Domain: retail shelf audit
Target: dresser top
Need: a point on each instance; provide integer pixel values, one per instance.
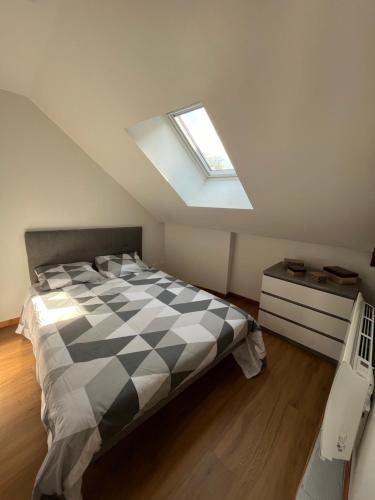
(279, 271)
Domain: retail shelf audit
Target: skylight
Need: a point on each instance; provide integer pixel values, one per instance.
(195, 128)
(198, 179)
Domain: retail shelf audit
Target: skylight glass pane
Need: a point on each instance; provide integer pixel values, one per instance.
(202, 136)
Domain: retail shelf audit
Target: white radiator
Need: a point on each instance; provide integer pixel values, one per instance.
(350, 397)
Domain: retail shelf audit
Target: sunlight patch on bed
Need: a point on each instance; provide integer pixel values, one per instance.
(48, 316)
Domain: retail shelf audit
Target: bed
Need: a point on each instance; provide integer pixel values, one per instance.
(109, 355)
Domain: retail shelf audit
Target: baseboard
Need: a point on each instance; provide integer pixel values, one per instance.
(9, 322)
(242, 297)
(214, 292)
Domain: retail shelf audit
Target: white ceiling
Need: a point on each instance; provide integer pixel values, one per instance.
(25, 28)
(290, 87)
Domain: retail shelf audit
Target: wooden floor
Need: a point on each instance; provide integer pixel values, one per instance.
(224, 438)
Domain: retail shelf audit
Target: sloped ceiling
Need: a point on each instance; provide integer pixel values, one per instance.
(290, 87)
(25, 28)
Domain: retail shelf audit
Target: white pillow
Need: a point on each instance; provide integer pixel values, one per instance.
(55, 276)
(115, 266)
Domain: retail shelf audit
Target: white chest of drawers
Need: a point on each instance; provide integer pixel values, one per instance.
(315, 315)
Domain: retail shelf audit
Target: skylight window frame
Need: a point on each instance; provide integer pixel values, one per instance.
(192, 147)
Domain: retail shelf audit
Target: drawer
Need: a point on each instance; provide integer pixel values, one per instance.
(329, 325)
(319, 343)
(323, 301)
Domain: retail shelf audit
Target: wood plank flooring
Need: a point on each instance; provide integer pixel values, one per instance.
(225, 437)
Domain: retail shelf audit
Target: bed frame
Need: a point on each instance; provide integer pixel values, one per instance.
(63, 246)
(74, 245)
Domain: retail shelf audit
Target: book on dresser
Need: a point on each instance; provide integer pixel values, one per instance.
(296, 269)
(311, 313)
(340, 275)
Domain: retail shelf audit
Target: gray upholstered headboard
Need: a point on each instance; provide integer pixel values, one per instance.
(62, 246)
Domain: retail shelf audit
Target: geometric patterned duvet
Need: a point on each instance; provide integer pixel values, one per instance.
(108, 352)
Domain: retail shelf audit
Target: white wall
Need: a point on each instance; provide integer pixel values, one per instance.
(47, 181)
(199, 256)
(253, 254)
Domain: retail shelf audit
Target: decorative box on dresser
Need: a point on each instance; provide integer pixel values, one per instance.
(311, 313)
